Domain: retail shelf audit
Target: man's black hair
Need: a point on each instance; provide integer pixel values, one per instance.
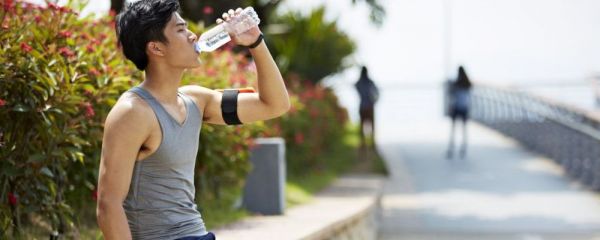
(141, 22)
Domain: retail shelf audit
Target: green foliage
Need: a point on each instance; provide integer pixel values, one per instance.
(312, 47)
(312, 127)
(56, 85)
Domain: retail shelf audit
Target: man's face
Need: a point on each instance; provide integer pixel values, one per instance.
(179, 52)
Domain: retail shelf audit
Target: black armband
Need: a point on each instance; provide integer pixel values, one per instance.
(229, 106)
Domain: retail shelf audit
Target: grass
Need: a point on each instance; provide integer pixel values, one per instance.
(299, 189)
(343, 158)
(227, 209)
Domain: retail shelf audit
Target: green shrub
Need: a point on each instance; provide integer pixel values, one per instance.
(314, 125)
(57, 83)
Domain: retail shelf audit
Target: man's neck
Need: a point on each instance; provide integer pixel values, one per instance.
(163, 82)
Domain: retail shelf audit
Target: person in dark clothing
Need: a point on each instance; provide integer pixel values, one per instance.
(369, 94)
(460, 102)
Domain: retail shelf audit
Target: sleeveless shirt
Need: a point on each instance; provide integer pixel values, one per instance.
(160, 202)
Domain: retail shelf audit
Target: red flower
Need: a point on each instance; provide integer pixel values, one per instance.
(314, 113)
(107, 69)
(5, 22)
(25, 47)
(95, 42)
(239, 148)
(8, 4)
(2, 103)
(207, 10)
(65, 9)
(27, 6)
(251, 67)
(102, 36)
(211, 72)
(85, 36)
(319, 94)
(65, 34)
(89, 111)
(53, 5)
(12, 199)
(90, 49)
(94, 71)
(66, 52)
(299, 138)
(251, 143)
(38, 19)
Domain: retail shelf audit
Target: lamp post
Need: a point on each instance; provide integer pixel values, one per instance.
(447, 38)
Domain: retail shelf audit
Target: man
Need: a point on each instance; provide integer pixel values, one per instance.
(369, 94)
(145, 182)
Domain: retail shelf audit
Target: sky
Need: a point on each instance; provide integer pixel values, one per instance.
(514, 42)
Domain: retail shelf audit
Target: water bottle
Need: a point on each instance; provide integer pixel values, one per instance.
(219, 35)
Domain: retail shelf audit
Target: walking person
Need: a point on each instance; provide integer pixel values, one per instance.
(369, 94)
(460, 102)
(146, 176)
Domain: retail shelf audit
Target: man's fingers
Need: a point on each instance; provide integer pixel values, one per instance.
(231, 12)
(225, 16)
(219, 21)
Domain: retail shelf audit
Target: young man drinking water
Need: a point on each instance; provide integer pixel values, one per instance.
(146, 176)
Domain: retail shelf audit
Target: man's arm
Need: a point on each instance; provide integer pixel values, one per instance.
(270, 101)
(126, 128)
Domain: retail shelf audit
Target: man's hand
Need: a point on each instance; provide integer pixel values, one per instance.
(246, 38)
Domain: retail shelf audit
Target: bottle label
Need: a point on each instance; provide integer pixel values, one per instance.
(217, 39)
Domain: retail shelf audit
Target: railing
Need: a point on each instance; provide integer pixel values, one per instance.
(566, 134)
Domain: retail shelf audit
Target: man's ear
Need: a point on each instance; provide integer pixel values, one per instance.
(155, 48)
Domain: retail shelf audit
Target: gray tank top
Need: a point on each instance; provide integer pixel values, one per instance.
(160, 203)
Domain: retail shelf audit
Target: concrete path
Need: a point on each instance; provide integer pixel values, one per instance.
(499, 191)
(346, 207)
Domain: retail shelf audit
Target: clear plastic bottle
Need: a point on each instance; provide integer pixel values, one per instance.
(219, 35)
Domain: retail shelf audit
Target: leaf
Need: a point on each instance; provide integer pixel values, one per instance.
(20, 108)
(36, 158)
(47, 172)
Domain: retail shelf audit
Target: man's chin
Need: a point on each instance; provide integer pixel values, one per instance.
(195, 65)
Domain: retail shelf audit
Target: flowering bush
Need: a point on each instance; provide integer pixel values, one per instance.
(56, 86)
(59, 77)
(313, 125)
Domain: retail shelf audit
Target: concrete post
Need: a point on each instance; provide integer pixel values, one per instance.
(264, 190)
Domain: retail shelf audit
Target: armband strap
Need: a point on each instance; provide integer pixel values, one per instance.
(229, 106)
(257, 42)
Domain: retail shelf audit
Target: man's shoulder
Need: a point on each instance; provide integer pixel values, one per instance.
(201, 95)
(129, 107)
(195, 90)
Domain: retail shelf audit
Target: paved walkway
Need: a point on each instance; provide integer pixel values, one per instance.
(331, 212)
(500, 191)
